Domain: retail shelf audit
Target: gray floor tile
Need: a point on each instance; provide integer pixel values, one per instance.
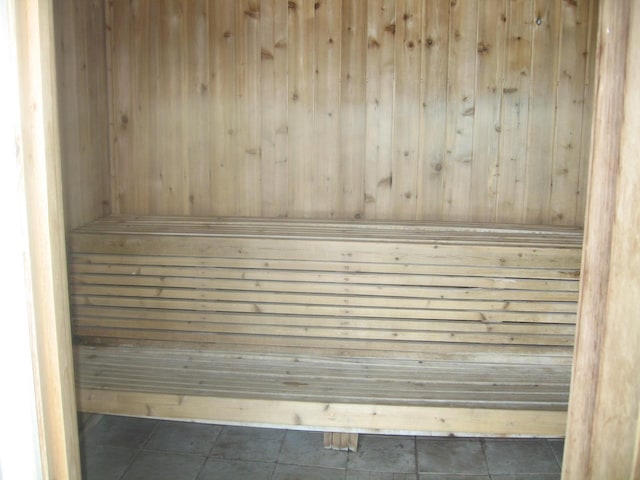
(378, 453)
(256, 444)
(298, 472)
(183, 437)
(125, 432)
(364, 475)
(451, 455)
(307, 448)
(520, 456)
(558, 449)
(165, 466)
(105, 463)
(220, 469)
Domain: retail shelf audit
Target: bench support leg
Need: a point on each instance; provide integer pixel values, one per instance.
(341, 441)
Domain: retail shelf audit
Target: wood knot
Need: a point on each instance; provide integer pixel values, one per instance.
(373, 43)
(391, 28)
(252, 13)
(483, 48)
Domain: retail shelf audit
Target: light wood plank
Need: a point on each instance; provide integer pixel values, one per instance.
(434, 103)
(301, 108)
(197, 93)
(490, 74)
(247, 102)
(515, 112)
(224, 126)
(347, 417)
(569, 120)
(380, 87)
(408, 43)
(274, 108)
(353, 111)
(460, 110)
(121, 115)
(544, 66)
(325, 190)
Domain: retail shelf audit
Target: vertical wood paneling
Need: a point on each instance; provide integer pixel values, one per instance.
(435, 55)
(490, 77)
(353, 107)
(544, 65)
(145, 44)
(381, 17)
(247, 178)
(386, 109)
(274, 92)
(326, 193)
(302, 166)
(167, 177)
(223, 128)
(408, 43)
(196, 103)
(587, 115)
(69, 43)
(515, 112)
(460, 109)
(121, 98)
(569, 112)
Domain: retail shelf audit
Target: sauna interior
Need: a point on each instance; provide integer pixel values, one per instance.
(391, 112)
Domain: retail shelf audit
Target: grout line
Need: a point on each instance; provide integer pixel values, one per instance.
(558, 459)
(484, 456)
(215, 441)
(277, 462)
(415, 454)
(140, 449)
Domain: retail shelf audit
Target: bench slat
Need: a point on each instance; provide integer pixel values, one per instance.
(94, 314)
(175, 374)
(101, 266)
(463, 271)
(330, 250)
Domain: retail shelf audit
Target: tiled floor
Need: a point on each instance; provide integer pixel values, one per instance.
(134, 448)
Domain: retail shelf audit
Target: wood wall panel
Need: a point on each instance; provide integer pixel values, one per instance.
(83, 112)
(386, 109)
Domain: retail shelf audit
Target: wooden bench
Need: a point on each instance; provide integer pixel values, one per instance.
(337, 327)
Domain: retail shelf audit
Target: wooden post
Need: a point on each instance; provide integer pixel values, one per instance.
(341, 441)
(39, 157)
(603, 432)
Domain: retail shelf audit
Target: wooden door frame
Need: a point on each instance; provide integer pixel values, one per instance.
(603, 431)
(45, 306)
